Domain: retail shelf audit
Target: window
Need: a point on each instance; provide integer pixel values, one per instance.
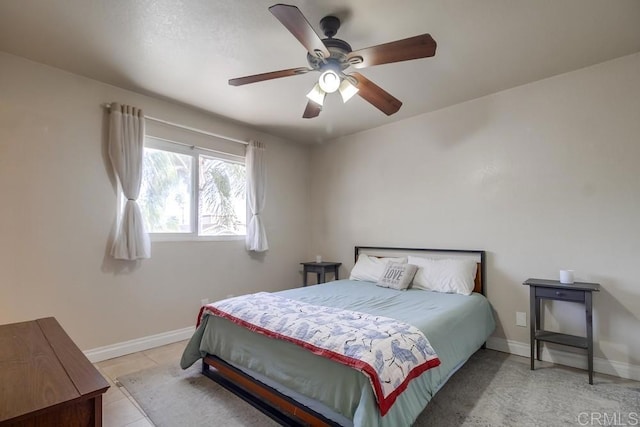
(192, 192)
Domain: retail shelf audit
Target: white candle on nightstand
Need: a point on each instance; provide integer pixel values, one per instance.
(318, 259)
(566, 276)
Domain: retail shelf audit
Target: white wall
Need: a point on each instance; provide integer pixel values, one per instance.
(57, 211)
(543, 176)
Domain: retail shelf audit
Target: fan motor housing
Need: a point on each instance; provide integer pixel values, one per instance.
(339, 50)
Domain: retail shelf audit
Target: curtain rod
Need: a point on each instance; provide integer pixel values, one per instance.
(189, 128)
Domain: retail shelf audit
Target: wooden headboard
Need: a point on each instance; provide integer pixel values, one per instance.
(479, 256)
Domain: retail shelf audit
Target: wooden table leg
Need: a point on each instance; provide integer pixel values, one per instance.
(532, 323)
(588, 309)
(97, 412)
(538, 327)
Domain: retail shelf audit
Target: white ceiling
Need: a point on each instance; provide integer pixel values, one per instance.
(186, 50)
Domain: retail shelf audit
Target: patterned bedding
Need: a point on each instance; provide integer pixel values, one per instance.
(389, 352)
(455, 325)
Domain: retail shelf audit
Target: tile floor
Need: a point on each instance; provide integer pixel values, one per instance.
(119, 409)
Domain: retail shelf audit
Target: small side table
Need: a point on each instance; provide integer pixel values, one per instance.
(321, 269)
(540, 289)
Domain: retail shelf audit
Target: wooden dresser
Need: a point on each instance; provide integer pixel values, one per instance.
(45, 380)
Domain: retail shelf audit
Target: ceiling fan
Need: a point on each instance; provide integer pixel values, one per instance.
(332, 57)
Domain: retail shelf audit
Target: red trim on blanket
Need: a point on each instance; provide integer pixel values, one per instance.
(384, 404)
(199, 319)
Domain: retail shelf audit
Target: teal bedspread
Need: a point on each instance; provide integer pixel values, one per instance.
(455, 325)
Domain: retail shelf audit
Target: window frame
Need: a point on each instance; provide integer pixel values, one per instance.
(194, 152)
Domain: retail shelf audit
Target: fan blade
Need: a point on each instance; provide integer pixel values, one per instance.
(422, 46)
(312, 110)
(268, 76)
(297, 24)
(377, 96)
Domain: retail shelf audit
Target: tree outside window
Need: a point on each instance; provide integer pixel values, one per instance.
(169, 203)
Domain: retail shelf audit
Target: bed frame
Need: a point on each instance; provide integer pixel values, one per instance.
(285, 410)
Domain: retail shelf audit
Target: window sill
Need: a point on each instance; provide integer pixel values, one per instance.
(171, 237)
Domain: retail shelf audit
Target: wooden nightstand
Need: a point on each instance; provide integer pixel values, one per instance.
(554, 290)
(321, 269)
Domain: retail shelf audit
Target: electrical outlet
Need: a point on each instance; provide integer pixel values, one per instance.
(230, 296)
(204, 301)
(521, 318)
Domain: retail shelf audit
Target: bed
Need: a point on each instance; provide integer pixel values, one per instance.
(296, 387)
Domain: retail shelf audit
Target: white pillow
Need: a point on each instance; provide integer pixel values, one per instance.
(370, 268)
(397, 275)
(444, 275)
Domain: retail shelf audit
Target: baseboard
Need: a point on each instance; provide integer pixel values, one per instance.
(139, 344)
(575, 360)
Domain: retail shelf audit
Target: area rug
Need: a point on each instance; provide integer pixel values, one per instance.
(491, 389)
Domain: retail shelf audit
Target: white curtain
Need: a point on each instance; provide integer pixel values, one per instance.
(256, 197)
(126, 144)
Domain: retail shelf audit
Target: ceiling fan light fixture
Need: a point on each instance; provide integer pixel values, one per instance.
(347, 90)
(317, 95)
(329, 81)
(330, 57)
